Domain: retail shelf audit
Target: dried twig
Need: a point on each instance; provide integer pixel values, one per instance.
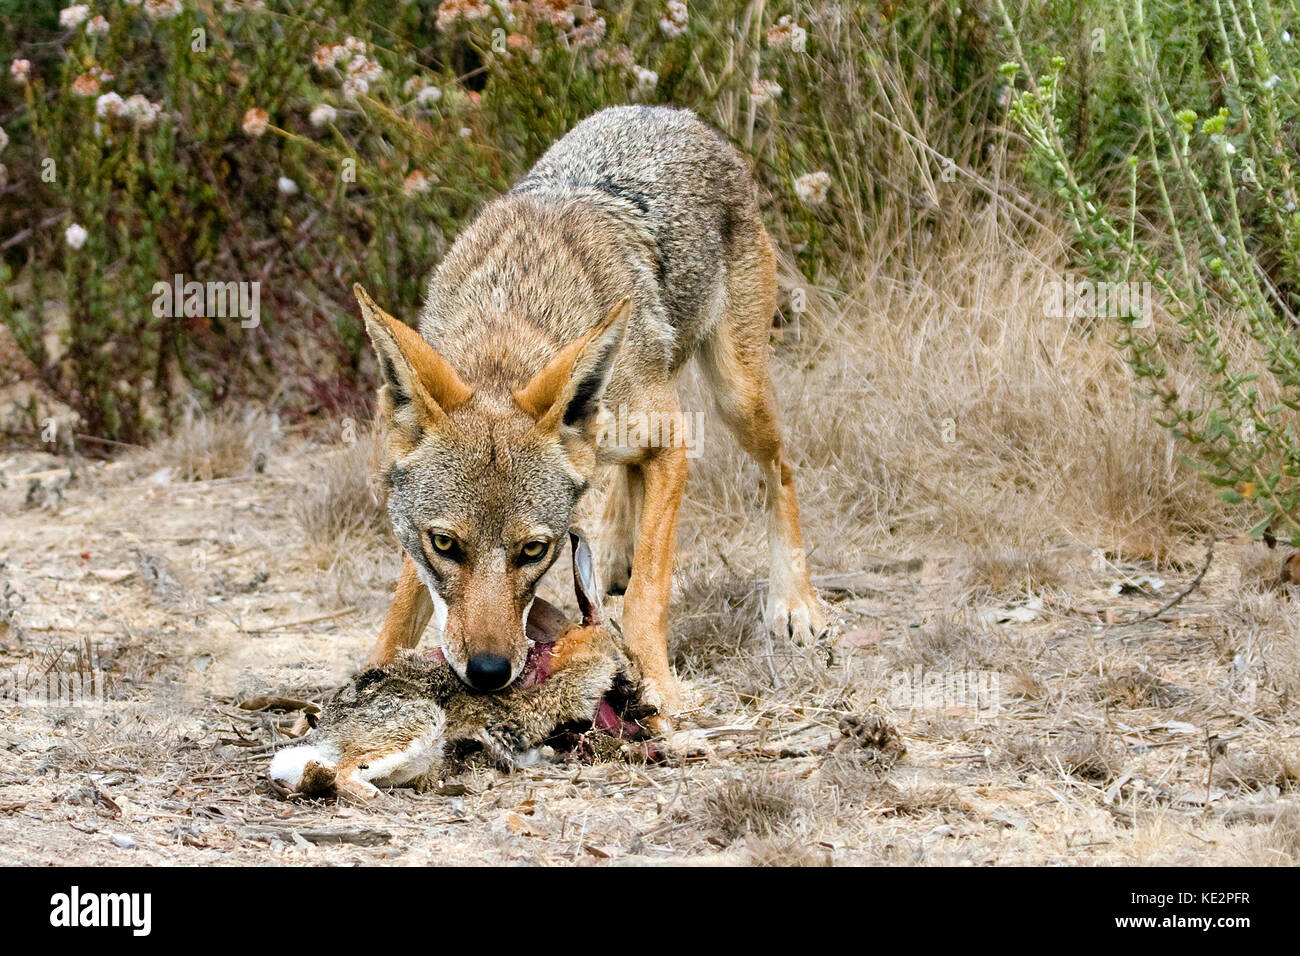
(302, 622)
(364, 836)
(1177, 598)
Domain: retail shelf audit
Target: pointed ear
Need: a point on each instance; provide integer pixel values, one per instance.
(420, 388)
(568, 390)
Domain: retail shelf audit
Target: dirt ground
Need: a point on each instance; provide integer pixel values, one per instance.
(1093, 741)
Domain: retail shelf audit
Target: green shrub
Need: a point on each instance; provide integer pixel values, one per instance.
(1188, 181)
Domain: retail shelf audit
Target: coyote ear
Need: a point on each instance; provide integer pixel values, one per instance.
(568, 390)
(420, 388)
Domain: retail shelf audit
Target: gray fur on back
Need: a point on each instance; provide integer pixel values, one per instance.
(671, 176)
(634, 200)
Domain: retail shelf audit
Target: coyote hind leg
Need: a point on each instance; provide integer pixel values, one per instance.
(734, 362)
(618, 524)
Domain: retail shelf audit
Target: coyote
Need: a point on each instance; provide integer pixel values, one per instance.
(634, 245)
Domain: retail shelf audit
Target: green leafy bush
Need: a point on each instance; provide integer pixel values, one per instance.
(1187, 180)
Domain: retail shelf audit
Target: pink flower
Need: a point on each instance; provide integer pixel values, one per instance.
(418, 181)
(326, 56)
(673, 22)
(764, 91)
(449, 11)
(363, 68)
(813, 188)
(558, 13)
(786, 32)
(73, 16)
(87, 84)
(322, 114)
(162, 9)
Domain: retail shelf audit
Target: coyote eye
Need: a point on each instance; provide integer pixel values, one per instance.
(444, 544)
(532, 551)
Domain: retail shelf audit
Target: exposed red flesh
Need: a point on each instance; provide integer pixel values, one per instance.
(537, 666)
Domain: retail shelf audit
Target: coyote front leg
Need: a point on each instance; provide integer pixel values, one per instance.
(645, 608)
(407, 617)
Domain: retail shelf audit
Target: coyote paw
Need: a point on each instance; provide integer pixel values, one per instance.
(796, 618)
(665, 697)
(659, 725)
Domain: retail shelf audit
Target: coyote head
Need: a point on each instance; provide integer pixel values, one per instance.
(483, 483)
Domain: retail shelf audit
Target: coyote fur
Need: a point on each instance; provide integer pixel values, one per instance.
(633, 246)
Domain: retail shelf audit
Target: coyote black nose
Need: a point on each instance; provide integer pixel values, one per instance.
(487, 672)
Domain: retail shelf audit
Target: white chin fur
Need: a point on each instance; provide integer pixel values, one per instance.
(439, 605)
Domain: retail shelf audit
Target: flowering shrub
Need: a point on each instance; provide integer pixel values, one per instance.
(159, 154)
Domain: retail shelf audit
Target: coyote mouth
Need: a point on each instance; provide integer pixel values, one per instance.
(536, 670)
(620, 713)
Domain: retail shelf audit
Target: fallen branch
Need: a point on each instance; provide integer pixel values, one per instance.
(364, 836)
(268, 701)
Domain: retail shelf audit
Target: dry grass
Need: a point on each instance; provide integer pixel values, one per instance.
(203, 447)
(931, 406)
(760, 803)
(784, 851)
(1086, 755)
(949, 640)
(1271, 766)
(342, 518)
(341, 502)
(1015, 572)
(1262, 642)
(1277, 844)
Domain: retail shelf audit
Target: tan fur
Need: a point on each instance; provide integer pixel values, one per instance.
(393, 725)
(543, 397)
(407, 617)
(438, 379)
(634, 245)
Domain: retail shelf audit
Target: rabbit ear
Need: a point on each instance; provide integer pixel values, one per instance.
(585, 584)
(546, 622)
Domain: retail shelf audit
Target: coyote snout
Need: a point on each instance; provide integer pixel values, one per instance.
(483, 634)
(482, 603)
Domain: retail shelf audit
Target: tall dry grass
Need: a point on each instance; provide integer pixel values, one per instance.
(931, 407)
